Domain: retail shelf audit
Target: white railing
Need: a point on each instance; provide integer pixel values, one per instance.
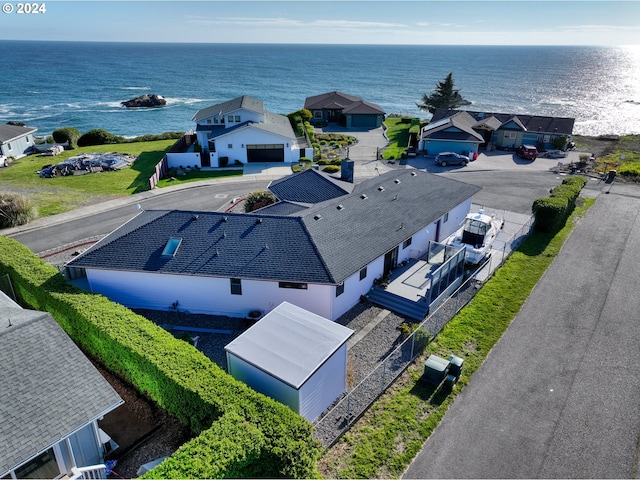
(92, 472)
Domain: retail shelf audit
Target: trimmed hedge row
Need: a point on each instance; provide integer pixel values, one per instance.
(552, 212)
(270, 440)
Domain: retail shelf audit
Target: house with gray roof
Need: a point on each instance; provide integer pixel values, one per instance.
(51, 399)
(16, 140)
(463, 131)
(348, 110)
(242, 130)
(321, 257)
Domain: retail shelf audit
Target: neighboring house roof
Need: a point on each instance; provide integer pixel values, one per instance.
(457, 127)
(245, 102)
(12, 132)
(529, 123)
(274, 124)
(323, 244)
(290, 343)
(309, 186)
(49, 388)
(342, 101)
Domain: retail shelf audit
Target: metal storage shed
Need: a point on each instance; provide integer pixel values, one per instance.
(293, 356)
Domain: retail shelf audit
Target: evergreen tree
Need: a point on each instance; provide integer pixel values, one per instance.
(444, 96)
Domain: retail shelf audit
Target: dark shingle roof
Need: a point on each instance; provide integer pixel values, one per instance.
(347, 103)
(456, 127)
(309, 186)
(11, 132)
(532, 123)
(363, 108)
(246, 102)
(49, 388)
(323, 244)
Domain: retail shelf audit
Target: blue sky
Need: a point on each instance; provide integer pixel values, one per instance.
(476, 22)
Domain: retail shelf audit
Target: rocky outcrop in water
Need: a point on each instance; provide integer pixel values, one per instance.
(145, 101)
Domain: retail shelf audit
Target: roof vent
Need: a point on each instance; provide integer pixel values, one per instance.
(414, 174)
(224, 234)
(396, 181)
(225, 218)
(363, 196)
(381, 188)
(395, 197)
(340, 207)
(258, 221)
(317, 217)
(195, 217)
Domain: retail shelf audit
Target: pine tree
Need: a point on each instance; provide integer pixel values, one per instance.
(444, 96)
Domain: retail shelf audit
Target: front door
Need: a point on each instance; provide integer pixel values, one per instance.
(390, 261)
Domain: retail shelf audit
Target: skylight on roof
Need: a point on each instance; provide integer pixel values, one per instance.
(171, 248)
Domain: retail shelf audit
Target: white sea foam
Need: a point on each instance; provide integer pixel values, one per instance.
(134, 88)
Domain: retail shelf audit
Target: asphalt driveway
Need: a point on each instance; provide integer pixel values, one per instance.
(558, 396)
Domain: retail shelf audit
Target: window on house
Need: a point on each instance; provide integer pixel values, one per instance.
(230, 118)
(209, 121)
(171, 248)
(510, 135)
(236, 286)
(299, 286)
(407, 242)
(9, 146)
(215, 120)
(547, 139)
(43, 466)
(363, 273)
(317, 114)
(445, 219)
(237, 118)
(230, 145)
(339, 289)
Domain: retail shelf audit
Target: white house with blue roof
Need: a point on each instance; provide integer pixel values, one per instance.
(321, 257)
(241, 129)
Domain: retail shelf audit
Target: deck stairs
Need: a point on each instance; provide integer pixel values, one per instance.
(396, 303)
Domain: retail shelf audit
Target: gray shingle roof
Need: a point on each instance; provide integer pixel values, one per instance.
(11, 132)
(324, 244)
(246, 102)
(532, 123)
(462, 124)
(343, 101)
(309, 186)
(49, 388)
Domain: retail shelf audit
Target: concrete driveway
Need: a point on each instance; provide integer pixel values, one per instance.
(557, 397)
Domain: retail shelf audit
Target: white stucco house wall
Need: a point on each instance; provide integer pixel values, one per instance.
(51, 400)
(293, 356)
(321, 256)
(242, 130)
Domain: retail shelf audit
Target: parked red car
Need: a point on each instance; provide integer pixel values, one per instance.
(527, 152)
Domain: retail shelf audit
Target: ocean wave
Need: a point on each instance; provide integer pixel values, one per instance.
(134, 88)
(184, 101)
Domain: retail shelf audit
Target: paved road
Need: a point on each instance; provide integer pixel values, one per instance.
(558, 396)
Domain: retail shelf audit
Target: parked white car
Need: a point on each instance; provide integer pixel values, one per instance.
(4, 162)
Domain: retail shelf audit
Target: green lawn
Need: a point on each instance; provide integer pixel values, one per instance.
(196, 175)
(398, 135)
(56, 195)
(389, 435)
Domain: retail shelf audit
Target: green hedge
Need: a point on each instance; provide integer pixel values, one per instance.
(274, 442)
(552, 212)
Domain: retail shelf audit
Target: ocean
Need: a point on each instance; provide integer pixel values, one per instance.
(51, 85)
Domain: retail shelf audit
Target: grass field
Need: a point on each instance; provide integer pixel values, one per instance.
(390, 434)
(60, 194)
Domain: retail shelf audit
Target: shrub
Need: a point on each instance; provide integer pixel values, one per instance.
(306, 160)
(559, 143)
(331, 169)
(99, 137)
(552, 212)
(258, 199)
(324, 161)
(15, 209)
(336, 161)
(68, 134)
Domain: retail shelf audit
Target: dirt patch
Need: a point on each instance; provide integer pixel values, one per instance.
(142, 430)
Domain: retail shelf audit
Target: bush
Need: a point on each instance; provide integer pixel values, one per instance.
(559, 143)
(306, 160)
(258, 199)
(242, 433)
(331, 169)
(68, 134)
(15, 209)
(99, 137)
(552, 212)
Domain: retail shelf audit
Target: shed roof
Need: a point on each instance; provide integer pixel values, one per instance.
(290, 343)
(49, 388)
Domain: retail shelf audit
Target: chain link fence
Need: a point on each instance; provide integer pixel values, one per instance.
(336, 421)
